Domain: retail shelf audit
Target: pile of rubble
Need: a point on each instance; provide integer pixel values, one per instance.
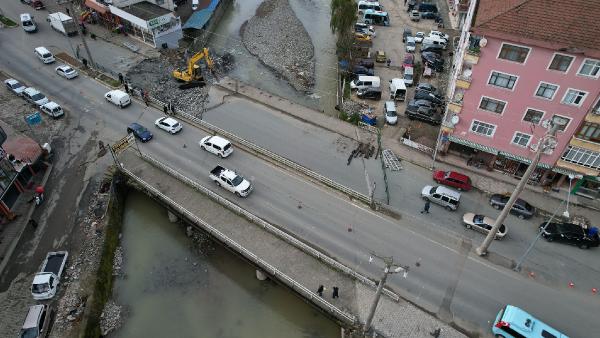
(277, 37)
(111, 318)
(353, 107)
(117, 269)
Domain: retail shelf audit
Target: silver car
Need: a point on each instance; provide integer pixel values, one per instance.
(411, 44)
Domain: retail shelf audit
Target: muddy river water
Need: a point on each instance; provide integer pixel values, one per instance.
(314, 15)
(172, 289)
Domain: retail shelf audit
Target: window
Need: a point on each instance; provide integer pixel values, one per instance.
(589, 131)
(596, 108)
(492, 105)
(533, 116)
(521, 139)
(483, 128)
(574, 97)
(590, 67)
(564, 118)
(583, 157)
(513, 53)
(561, 62)
(502, 80)
(547, 334)
(546, 90)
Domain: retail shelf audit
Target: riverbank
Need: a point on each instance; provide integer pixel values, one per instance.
(277, 37)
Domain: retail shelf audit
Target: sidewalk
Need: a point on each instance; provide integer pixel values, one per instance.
(487, 181)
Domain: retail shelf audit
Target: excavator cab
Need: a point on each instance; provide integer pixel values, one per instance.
(192, 73)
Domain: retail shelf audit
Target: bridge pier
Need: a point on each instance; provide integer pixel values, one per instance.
(172, 217)
(261, 275)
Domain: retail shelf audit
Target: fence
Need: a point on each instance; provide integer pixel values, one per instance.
(347, 318)
(418, 146)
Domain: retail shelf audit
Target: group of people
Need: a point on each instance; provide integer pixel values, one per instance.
(335, 292)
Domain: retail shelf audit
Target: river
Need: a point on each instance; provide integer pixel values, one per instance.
(315, 15)
(172, 289)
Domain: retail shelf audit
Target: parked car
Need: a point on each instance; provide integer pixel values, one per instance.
(380, 56)
(571, 234)
(414, 15)
(429, 15)
(443, 196)
(52, 109)
(66, 71)
(440, 35)
(406, 33)
(363, 28)
(409, 75)
(15, 86)
(118, 97)
(32, 95)
(168, 124)
(438, 49)
(362, 37)
(483, 224)
(424, 95)
(409, 61)
(410, 44)
(140, 132)
(424, 86)
(419, 36)
(369, 93)
(37, 321)
(360, 70)
(521, 208)
(453, 179)
(389, 111)
(367, 63)
(415, 109)
(433, 60)
(216, 145)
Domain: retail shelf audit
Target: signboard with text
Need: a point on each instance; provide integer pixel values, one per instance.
(123, 144)
(161, 20)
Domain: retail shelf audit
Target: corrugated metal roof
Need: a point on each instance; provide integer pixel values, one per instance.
(201, 17)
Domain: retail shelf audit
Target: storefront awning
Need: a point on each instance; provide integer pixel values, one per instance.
(473, 145)
(523, 160)
(92, 4)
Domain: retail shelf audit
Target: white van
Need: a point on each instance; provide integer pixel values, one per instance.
(434, 40)
(389, 111)
(443, 196)
(36, 322)
(44, 54)
(28, 23)
(409, 75)
(364, 5)
(365, 81)
(118, 97)
(397, 89)
(52, 109)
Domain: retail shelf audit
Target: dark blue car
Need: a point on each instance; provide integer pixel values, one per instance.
(140, 132)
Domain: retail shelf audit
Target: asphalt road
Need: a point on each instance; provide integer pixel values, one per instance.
(450, 281)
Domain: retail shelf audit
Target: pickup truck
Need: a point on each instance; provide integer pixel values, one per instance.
(231, 181)
(45, 282)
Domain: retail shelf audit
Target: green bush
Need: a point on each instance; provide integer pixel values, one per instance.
(343, 115)
(354, 119)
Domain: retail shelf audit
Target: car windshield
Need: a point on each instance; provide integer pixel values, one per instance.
(140, 130)
(31, 332)
(237, 180)
(68, 70)
(27, 23)
(410, 43)
(38, 96)
(40, 288)
(478, 219)
(16, 85)
(391, 113)
(227, 146)
(408, 77)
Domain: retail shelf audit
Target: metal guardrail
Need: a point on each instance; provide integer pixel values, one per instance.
(350, 319)
(269, 227)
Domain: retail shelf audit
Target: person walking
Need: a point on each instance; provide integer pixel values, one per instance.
(320, 290)
(336, 292)
(389, 62)
(426, 207)
(145, 97)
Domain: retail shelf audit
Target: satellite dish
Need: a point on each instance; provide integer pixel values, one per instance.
(454, 120)
(483, 42)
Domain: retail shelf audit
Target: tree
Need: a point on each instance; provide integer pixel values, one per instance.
(343, 17)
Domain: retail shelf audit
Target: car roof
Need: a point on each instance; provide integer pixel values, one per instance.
(455, 174)
(32, 316)
(11, 81)
(169, 120)
(51, 105)
(135, 125)
(64, 67)
(218, 140)
(447, 191)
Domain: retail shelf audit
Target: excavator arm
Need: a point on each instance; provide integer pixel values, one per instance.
(192, 73)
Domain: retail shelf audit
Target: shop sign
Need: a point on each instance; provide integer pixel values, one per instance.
(161, 20)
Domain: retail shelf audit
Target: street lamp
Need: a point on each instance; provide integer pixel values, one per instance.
(547, 143)
(390, 268)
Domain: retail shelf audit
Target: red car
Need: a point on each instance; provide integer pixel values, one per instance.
(452, 179)
(408, 61)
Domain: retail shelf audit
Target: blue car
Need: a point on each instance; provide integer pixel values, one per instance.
(140, 132)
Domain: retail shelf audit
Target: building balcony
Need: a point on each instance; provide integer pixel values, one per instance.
(577, 168)
(472, 55)
(585, 144)
(463, 82)
(592, 117)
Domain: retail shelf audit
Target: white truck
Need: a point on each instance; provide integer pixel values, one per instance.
(45, 283)
(63, 23)
(231, 181)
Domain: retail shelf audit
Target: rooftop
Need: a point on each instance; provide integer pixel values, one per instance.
(560, 25)
(145, 10)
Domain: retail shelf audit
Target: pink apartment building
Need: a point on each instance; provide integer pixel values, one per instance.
(521, 63)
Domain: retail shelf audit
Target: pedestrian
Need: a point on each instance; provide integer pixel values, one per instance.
(165, 110)
(172, 107)
(320, 290)
(389, 62)
(405, 2)
(68, 12)
(33, 223)
(126, 88)
(336, 292)
(145, 100)
(426, 207)
(121, 78)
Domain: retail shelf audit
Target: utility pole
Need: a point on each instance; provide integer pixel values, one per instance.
(390, 268)
(548, 141)
(80, 30)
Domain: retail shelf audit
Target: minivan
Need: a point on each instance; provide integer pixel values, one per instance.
(44, 54)
(28, 23)
(216, 145)
(443, 196)
(434, 40)
(397, 89)
(118, 97)
(52, 109)
(37, 321)
(364, 5)
(409, 76)
(365, 82)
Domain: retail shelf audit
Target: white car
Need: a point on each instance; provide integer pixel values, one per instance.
(34, 96)
(440, 35)
(216, 145)
(15, 86)
(66, 71)
(52, 109)
(419, 36)
(410, 44)
(168, 124)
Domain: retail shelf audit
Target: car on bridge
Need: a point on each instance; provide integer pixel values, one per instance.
(570, 233)
(216, 145)
(140, 132)
(168, 124)
(231, 181)
(483, 224)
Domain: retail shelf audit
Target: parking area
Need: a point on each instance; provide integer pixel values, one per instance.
(389, 39)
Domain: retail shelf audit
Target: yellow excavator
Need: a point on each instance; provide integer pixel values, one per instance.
(192, 73)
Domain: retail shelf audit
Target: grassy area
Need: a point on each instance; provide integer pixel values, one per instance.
(104, 279)
(7, 22)
(109, 80)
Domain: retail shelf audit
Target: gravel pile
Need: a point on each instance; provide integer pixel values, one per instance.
(118, 262)
(353, 107)
(277, 37)
(111, 318)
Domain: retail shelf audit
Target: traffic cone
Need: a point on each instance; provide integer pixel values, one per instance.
(531, 274)
(571, 285)
(594, 290)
